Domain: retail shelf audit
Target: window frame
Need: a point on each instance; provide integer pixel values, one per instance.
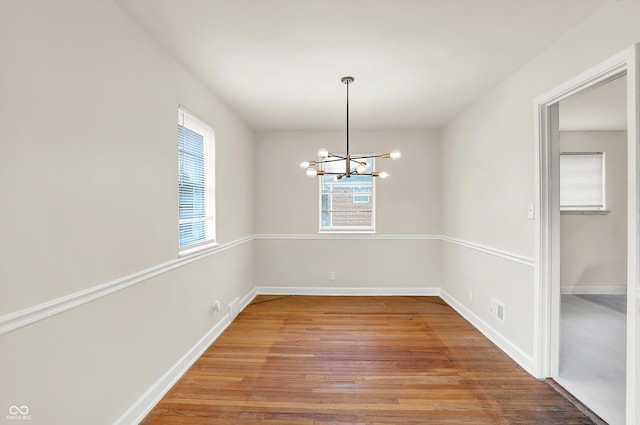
(583, 208)
(371, 229)
(192, 122)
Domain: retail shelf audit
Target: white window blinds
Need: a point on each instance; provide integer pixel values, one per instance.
(196, 189)
(582, 179)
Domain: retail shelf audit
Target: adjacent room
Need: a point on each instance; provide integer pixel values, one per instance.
(593, 247)
(319, 211)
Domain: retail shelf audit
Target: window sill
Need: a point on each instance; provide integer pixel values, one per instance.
(198, 249)
(585, 212)
(347, 232)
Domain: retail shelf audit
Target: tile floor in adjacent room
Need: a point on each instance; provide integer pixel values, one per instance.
(593, 352)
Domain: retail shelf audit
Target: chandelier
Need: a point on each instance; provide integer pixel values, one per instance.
(353, 165)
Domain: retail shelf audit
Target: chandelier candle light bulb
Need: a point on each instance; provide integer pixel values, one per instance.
(324, 156)
(394, 154)
(382, 174)
(306, 164)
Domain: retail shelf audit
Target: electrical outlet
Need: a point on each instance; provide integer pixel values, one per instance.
(332, 275)
(497, 309)
(470, 295)
(216, 306)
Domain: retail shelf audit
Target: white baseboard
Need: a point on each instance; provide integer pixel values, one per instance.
(15, 320)
(594, 289)
(519, 356)
(336, 291)
(246, 300)
(141, 408)
(137, 412)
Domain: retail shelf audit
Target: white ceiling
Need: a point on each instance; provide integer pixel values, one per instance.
(416, 63)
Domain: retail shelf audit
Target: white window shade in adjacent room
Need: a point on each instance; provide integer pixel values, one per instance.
(582, 181)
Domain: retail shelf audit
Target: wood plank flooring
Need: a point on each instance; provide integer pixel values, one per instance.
(296, 360)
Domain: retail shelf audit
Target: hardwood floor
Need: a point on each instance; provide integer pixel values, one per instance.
(297, 360)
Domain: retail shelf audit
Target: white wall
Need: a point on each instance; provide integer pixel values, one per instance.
(407, 202)
(488, 176)
(88, 109)
(593, 248)
(407, 205)
(88, 168)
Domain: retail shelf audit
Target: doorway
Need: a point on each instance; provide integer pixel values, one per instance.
(593, 248)
(549, 262)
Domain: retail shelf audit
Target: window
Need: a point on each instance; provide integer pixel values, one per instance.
(347, 204)
(195, 180)
(361, 194)
(582, 178)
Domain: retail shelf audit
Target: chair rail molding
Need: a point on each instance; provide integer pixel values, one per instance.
(15, 320)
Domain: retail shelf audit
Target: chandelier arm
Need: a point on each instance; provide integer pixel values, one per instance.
(340, 157)
(353, 174)
(325, 157)
(384, 155)
(331, 160)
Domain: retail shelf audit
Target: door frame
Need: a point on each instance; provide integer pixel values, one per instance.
(547, 221)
